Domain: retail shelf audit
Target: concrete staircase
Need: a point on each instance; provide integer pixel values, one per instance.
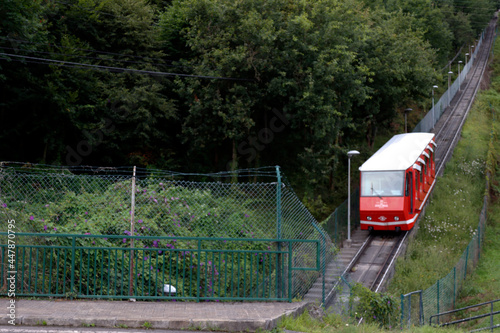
(334, 270)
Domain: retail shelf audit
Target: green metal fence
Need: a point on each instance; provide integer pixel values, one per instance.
(196, 268)
(417, 307)
(137, 210)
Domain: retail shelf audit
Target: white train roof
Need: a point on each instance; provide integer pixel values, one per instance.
(399, 153)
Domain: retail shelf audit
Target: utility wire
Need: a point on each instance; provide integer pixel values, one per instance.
(93, 58)
(117, 69)
(85, 50)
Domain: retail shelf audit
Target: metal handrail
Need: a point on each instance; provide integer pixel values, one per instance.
(490, 314)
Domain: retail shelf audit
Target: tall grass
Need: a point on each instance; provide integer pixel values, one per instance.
(452, 216)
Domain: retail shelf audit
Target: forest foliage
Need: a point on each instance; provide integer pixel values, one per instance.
(211, 85)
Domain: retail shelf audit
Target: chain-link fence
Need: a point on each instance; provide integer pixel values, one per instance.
(417, 307)
(254, 204)
(432, 117)
(336, 224)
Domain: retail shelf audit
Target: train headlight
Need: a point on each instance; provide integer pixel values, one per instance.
(396, 218)
(369, 218)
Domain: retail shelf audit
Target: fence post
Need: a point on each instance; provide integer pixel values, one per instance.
(421, 306)
(279, 231)
(454, 285)
(491, 317)
(402, 310)
(132, 213)
(479, 242)
(290, 263)
(336, 226)
(409, 310)
(323, 255)
(73, 245)
(198, 277)
(438, 300)
(466, 259)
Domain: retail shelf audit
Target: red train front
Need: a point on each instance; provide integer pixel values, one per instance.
(396, 182)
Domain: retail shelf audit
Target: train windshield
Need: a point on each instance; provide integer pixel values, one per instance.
(382, 183)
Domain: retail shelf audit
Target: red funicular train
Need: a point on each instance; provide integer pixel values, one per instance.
(396, 182)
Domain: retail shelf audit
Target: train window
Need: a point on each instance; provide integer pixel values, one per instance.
(407, 185)
(417, 184)
(382, 183)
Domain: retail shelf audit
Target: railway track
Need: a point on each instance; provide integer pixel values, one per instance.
(374, 262)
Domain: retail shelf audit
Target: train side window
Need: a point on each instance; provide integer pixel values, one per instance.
(407, 184)
(410, 187)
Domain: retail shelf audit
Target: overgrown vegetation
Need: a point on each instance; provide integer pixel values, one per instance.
(168, 212)
(483, 284)
(333, 323)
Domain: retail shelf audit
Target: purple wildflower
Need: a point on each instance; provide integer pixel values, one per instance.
(32, 217)
(45, 227)
(4, 205)
(55, 229)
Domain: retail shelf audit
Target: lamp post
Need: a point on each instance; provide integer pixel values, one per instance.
(472, 53)
(349, 155)
(459, 81)
(449, 85)
(406, 114)
(466, 55)
(433, 112)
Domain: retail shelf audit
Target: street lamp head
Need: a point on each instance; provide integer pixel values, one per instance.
(460, 61)
(466, 54)
(352, 153)
(435, 87)
(408, 110)
(450, 72)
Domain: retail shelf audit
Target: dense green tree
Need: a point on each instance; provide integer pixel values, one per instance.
(429, 20)
(402, 62)
(299, 59)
